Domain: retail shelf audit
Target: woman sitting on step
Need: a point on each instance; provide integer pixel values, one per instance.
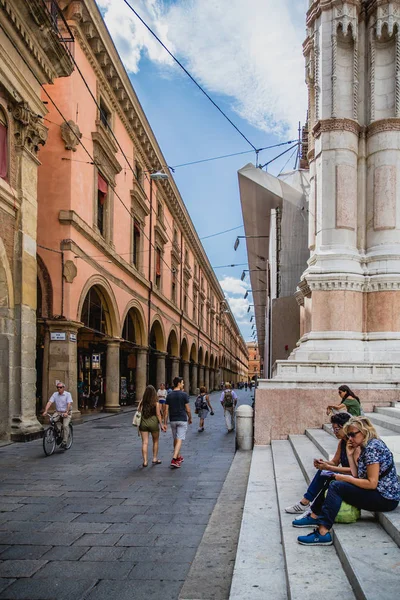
(349, 402)
(321, 481)
(373, 484)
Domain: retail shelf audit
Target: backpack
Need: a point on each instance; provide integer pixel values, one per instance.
(200, 403)
(228, 399)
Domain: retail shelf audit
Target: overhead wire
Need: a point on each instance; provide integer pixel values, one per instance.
(206, 237)
(190, 75)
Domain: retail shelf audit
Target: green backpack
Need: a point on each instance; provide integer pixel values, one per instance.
(228, 399)
(347, 513)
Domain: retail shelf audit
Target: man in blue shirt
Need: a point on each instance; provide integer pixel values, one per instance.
(178, 407)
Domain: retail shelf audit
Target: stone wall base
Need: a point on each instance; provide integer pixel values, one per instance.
(289, 408)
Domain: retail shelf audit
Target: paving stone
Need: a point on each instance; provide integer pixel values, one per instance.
(76, 527)
(104, 553)
(187, 541)
(26, 526)
(4, 583)
(129, 528)
(37, 539)
(158, 554)
(137, 540)
(135, 590)
(48, 589)
(151, 518)
(66, 553)
(6, 507)
(177, 529)
(164, 571)
(24, 552)
(20, 568)
(101, 518)
(98, 539)
(80, 569)
(61, 517)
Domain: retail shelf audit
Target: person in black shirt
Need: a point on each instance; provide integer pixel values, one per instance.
(178, 408)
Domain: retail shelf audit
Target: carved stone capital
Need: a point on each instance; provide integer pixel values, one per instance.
(383, 125)
(70, 134)
(328, 125)
(29, 129)
(304, 288)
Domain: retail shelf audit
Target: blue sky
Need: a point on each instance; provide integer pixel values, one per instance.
(249, 60)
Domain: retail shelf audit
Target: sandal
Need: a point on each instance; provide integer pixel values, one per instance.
(156, 462)
(144, 465)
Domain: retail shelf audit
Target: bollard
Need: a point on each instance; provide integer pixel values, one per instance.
(244, 427)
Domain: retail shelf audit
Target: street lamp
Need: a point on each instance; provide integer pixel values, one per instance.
(243, 275)
(251, 292)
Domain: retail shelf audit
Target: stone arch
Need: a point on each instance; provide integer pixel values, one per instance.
(201, 356)
(134, 312)
(193, 353)
(184, 349)
(216, 363)
(206, 359)
(104, 290)
(212, 361)
(172, 344)
(45, 300)
(157, 335)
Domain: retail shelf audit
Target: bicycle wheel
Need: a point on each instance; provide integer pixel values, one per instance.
(49, 441)
(70, 437)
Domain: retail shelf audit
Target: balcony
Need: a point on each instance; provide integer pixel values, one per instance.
(59, 24)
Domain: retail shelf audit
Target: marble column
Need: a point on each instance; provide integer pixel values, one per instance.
(160, 368)
(207, 378)
(193, 383)
(186, 375)
(112, 377)
(141, 373)
(175, 368)
(62, 360)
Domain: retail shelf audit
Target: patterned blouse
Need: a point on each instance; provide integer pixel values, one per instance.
(376, 451)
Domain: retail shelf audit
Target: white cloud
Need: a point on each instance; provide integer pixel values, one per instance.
(249, 51)
(232, 285)
(239, 307)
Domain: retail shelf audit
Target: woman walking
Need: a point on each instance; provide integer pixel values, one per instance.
(372, 485)
(349, 402)
(202, 406)
(150, 423)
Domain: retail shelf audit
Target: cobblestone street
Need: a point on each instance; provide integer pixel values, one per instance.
(93, 523)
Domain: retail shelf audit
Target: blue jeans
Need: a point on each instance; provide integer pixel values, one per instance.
(319, 483)
(327, 508)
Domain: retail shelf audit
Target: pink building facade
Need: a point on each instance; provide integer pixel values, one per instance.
(126, 294)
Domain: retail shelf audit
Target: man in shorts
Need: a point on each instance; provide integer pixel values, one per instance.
(63, 402)
(178, 407)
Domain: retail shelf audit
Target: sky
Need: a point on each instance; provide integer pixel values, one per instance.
(247, 55)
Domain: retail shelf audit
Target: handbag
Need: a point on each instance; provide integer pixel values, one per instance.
(137, 417)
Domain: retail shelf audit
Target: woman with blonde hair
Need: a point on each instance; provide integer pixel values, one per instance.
(151, 422)
(372, 485)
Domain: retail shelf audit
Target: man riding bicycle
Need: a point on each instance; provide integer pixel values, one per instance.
(63, 402)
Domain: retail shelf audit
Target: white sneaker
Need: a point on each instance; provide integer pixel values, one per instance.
(297, 508)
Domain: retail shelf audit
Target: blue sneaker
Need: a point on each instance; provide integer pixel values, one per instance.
(315, 539)
(306, 521)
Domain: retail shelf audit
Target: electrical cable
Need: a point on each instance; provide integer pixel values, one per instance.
(189, 75)
(206, 237)
(288, 160)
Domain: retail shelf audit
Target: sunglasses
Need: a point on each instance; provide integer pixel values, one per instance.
(60, 387)
(352, 434)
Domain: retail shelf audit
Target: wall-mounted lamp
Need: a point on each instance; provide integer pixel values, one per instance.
(251, 292)
(246, 237)
(243, 275)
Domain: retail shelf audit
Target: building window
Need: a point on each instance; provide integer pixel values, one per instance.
(186, 256)
(105, 115)
(3, 146)
(185, 297)
(201, 315)
(136, 244)
(158, 268)
(173, 284)
(195, 307)
(102, 191)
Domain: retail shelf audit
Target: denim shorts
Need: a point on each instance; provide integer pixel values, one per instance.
(179, 429)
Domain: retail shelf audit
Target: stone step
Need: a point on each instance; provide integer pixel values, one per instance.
(389, 411)
(385, 421)
(306, 568)
(395, 404)
(259, 570)
(326, 443)
(380, 430)
(367, 553)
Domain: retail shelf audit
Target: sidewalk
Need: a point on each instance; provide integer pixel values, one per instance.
(92, 523)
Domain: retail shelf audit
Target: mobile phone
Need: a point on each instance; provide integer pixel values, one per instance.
(327, 473)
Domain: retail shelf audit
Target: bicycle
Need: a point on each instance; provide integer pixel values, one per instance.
(53, 437)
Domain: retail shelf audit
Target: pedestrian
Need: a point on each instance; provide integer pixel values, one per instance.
(161, 395)
(150, 422)
(349, 402)
(95, 391)
(62, 414)
(202, 406)
(245, 386)
(229, 401)
(178, 407)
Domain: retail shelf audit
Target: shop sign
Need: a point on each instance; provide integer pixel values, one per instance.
(72, 337)
(95, 361)
(58, 336)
